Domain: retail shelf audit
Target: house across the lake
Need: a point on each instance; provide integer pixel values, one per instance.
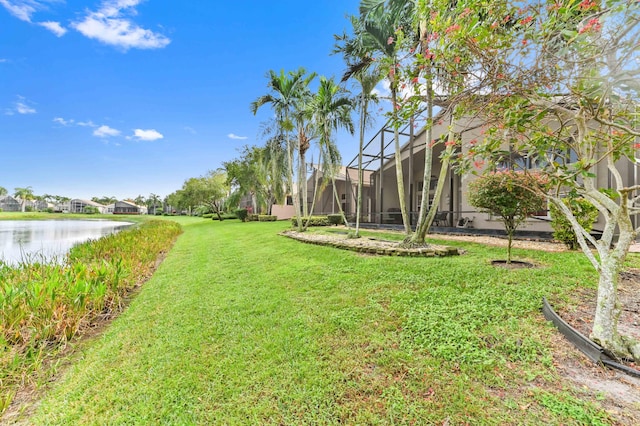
(83, 206)
(128, 207)
(9, 204)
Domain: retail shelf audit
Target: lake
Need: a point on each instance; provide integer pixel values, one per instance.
(46, 240)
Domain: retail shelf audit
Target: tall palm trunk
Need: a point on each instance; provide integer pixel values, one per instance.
(294, 193)
(363, 118)
(335, 193)
(315, 192)
(398, 154)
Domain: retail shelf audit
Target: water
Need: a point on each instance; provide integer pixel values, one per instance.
(49, 240)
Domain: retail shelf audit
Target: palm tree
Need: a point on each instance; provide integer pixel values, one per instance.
(330, 109)
(286, 90)
(354, 53)
(153, 201)
(375, 33)
(274, 165)
(24, 194)
(3, 191)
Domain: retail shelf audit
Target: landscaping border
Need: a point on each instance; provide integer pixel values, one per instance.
(363, 245)
(592, 350)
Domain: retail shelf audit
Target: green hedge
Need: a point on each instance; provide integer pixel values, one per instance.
(585, 213)
(242, 214)
(313, 221)
(335, 219)
(267, 218)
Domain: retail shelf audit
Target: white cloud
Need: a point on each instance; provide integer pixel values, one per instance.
(21, 9)
(86, 124)
(236, 137)
(109, 26)
(54, 27)
(62, 121)
(21, 106)
(147, 135)
(105, 131)
(2, 60)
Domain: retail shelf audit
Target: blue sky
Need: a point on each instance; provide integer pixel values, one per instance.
(131, 97)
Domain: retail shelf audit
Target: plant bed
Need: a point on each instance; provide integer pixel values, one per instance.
(371, 246)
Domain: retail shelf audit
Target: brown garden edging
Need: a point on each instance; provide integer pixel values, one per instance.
(592, 350)
(353, 245)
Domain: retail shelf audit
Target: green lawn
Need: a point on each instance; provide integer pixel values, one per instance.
(242, 326)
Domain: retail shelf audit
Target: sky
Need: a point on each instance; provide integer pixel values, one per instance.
(132, 97)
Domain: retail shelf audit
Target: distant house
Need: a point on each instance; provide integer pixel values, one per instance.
(9, 204)
(128, 207)
(79, 206)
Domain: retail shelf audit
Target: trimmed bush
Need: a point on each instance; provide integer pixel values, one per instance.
(335, 219)
(510, 195)
(253, 217)
(313, 221)
(267, 218)
(209, 215)
(585, 213)
(242, 214)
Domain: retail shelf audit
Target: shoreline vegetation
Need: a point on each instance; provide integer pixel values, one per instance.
(43, 306)
(240, 325)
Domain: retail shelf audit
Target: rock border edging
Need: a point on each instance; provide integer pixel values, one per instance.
(389, 250)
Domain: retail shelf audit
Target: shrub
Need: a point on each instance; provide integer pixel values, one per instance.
(313, 221)
(208, 215)
(585, 213)
(91, 210)
(267, 218)
(48, 210)
(335, 219)
(510, 195)
(242, 214)
(253, 217)
(28, 209)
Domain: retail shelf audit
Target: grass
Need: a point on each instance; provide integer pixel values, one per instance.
(242, 326)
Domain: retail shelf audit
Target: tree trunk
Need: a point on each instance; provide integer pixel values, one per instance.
(360, 172)
(315, 194)
(294, 194)
(335, 193)
(398, 154)
(608, 308)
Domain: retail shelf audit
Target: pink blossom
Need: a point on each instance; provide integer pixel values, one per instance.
(636, 145)
(414, 80)
(478, 164)
(452, 28)
(587, 4)
(526, 20)
(450, 143)
(593, 24)
(390, 40)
